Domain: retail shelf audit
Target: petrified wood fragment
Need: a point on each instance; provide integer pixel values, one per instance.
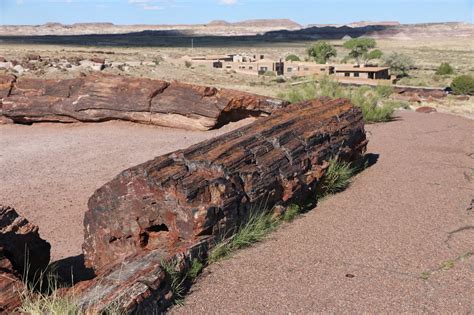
(21, 242)
(172, 201)
(10, 286)
(106, 97)
(138, 285)
(22, 253)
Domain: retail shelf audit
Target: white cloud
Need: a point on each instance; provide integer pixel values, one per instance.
(228, 2)
(149, 4)
(19, 1)
(152, 7)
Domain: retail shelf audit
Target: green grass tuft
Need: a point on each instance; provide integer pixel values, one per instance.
(195, 269)
(291, 212)
(175, 278)
(337, 177)
(254, 230)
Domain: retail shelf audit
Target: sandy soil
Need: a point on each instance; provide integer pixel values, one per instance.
(367, 249)
(48, 171)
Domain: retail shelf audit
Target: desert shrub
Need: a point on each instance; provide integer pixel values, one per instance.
(292, 57)
(444, 69)
(279, 79)
(463, 84)
(157, 60)
(366, 98)
(396, 104)
(384, 90)
(269, 73)
(188, 64)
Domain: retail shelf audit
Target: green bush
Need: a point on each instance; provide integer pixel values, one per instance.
(269, 73)
(463, 84)
(368, 99)
(188, 64)
(444, 69)
(292, 57)
(399, 64)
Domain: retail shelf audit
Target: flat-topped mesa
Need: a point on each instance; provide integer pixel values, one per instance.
(102, 97)
(178, 199)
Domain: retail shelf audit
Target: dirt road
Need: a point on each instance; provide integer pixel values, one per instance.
(398, 240)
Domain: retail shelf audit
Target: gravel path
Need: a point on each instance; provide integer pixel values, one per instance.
(49, 171)
(368, 248)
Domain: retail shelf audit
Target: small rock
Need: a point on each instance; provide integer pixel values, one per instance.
(5, 120)
(33, 57)
(462, 98)
(97, 60)
(415, 98)
(19, 69)
(6, 65)
(2, 59)
(426, 109)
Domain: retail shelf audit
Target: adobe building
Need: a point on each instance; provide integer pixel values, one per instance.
(259, 65)
(301, 69)
(362, 72)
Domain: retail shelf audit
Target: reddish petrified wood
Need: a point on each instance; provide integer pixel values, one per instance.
(426, 109)
(106, 97)
(22, 253)
(10, 286)
(210, 188)
(138, 285)
(22, 243)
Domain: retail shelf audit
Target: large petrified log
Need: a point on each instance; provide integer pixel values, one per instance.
(175, 200)
(108, 97)
(22, 254)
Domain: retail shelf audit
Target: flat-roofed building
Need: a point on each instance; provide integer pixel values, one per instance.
(367, 72)
(301, 69)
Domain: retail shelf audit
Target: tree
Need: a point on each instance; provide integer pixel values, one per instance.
(399, 64)
(321, 51)
(444, 68)
(362, 49)
(292, 57)
(463, 84)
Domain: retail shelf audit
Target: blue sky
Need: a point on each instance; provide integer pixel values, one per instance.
(202, 11)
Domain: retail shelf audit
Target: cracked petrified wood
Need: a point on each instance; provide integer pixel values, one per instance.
(22, 254)
(210, 188)
(110, 97)
(138, 285)
(11, 286)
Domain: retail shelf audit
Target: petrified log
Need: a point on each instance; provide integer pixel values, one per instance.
(22, 254)
(11, 286)
(138, 285)
(175, 200)
(107, 97)
(420, 92)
